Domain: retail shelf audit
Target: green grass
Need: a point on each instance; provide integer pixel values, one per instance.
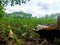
(22, 25)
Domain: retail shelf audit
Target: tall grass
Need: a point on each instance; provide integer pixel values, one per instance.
(21, 25)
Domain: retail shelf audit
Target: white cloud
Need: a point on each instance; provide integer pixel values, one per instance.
(37, 7)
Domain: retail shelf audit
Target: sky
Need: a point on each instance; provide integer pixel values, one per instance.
(37, 8)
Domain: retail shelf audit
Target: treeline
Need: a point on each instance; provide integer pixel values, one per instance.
(52, 15)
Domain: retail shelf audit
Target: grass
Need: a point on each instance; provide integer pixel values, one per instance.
(20, 26)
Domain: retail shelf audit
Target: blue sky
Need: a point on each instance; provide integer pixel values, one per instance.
(37, 8)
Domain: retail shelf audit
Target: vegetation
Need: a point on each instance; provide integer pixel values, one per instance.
(19, 15)
(5, 2)
(22, 28)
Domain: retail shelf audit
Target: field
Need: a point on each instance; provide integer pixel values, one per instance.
(20, 31)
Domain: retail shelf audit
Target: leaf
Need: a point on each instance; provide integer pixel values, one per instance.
(11, 33)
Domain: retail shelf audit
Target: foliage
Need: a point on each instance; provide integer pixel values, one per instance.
(1, 11)
(52, 15)
(19, 15)
(5, 2)
(23, 27)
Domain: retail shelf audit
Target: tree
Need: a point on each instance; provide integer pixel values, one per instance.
(26, 15)
(12, 3)
(47, 16)
(1, 10)
(5, 2)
